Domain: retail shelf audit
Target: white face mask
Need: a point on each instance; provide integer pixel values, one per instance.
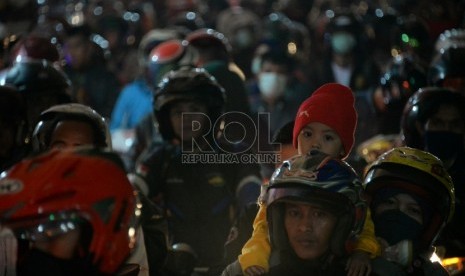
(244, 38)
(272, 85)
(343, 42)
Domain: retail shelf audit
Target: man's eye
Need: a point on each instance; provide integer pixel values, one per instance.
(320, 214)
(293, 213)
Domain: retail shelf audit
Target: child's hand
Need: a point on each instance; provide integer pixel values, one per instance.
(254, 270)
(358, 264)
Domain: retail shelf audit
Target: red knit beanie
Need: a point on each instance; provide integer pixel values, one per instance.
(333, 105)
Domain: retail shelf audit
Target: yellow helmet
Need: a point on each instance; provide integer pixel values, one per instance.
(421, 174)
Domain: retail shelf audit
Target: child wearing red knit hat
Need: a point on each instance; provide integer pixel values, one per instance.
(326, 122)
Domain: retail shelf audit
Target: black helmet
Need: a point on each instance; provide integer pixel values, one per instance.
(41, 85)
(407, 74)
(404, 76)
(421, 174)
(317, 178)
(38, 76)
(447, 68)
(189, 84)
(421, 106)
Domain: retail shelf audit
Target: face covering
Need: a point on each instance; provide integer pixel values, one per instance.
(342, 43)
(272, 85)
(443, 144)
(395, 226)
(244, 38)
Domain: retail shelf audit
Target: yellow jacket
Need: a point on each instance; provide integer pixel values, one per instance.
(257, 250)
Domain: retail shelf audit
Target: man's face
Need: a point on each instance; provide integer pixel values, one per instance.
(70, 134)
(446, 119)
(320, 137)
(309, 229)
(188, 126)
(78, 50)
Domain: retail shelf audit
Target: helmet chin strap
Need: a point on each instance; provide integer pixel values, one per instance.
(8, 252)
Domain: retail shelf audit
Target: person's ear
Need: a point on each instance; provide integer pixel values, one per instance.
(342, 153)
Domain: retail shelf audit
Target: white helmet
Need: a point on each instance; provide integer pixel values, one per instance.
(50, 117)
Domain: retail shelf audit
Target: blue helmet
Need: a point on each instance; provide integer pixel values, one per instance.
(317, 178)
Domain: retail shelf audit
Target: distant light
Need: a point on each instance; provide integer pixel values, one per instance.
(190, 15)
(98, 11)
(405, 38)
(292, 48)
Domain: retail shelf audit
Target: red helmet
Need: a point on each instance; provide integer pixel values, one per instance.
(206, 37)
(34, 46)
(167, 56)
(48, 195)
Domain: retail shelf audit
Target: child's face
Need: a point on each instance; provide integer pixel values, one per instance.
(321, 137)
(192, 125)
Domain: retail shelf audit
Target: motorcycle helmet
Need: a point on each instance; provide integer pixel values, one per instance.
(317, 178)
(35, 46)
(41, 85)
(39, 76)
(419, 108)
(167, 56)
(187, 83)
(209, 38)
(404, 76)
(447, 69)
(151, 39)
(45, 196)
(73, 111)
(421, 174)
